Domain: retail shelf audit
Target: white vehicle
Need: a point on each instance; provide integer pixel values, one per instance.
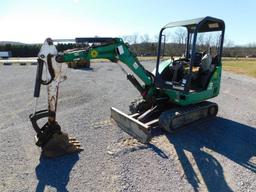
(5, 54)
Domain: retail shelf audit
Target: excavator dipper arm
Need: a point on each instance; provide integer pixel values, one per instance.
(50, 137)
(114, 50)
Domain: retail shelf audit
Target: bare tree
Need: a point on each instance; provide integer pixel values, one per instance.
(145, 38)
(134, 38)
(131, 39)
(127, 38)
(200, 39)
(228, 42)
(208, 40)
(180, 36)
(155, 38)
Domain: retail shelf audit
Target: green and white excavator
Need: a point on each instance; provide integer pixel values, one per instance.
(173, 95)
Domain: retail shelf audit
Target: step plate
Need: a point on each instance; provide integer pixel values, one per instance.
(131, 125)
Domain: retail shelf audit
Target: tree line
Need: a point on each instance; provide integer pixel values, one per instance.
(30, 50)
(143, 45)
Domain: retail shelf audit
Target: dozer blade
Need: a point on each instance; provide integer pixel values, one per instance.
(132, 126)
(60, 144)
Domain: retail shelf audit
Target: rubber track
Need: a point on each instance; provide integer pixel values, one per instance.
(173, 119)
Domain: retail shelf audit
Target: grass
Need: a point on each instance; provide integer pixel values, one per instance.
(245, 66)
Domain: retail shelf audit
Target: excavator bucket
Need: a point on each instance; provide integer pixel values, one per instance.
(51, 139)
(131, 125)
(61, 144)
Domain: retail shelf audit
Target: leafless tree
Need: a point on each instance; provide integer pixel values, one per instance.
(155, 38)
(145, 38)
(228, 42)
(127, 38)
(180, 36)
(200, 39)
(135, 38)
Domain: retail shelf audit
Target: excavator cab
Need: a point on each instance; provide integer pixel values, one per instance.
(194, 50)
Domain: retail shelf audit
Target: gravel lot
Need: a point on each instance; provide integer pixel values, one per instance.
(214, 155)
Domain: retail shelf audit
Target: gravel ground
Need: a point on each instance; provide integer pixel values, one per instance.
(214, 155)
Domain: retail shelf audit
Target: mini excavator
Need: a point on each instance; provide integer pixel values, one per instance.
(173, 95)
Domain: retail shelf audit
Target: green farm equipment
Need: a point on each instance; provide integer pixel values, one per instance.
(173, 95)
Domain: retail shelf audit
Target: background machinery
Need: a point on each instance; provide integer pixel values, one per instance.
(173, 95)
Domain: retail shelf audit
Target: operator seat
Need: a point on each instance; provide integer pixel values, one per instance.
(206, 69)
(177, 71)
(197, 59)
(206, 62)
(174, 72)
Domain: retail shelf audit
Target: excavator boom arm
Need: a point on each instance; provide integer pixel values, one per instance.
(117, 50)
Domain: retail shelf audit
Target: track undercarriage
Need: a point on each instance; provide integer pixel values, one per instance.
(167, 117)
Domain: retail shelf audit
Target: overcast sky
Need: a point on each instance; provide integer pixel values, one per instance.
(31, 21)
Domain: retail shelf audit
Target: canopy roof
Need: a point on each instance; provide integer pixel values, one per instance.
(204, 24)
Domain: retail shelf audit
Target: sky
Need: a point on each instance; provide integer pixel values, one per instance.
(32, 21)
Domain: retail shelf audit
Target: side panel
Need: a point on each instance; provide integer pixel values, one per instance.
(196, 97)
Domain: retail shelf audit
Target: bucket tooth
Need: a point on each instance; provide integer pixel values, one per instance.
(60, 144)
